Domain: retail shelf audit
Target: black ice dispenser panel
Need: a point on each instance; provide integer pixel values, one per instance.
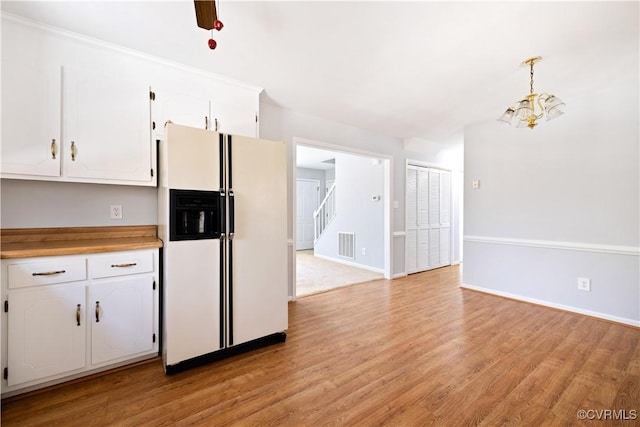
(194, 214)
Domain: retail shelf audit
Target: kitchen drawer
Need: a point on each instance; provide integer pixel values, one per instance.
(46, 272)
(120, 263)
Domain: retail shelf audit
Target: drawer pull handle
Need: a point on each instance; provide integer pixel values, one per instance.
(78, 313)
(74, 151)
(129, 264)
(49, 273)
(97, 311)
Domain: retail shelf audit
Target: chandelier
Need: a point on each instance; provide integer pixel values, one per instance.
(534, 106)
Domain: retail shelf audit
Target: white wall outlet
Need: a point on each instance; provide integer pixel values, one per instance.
(476, 184)
(584, 283)
(116, 211)
(364, 251)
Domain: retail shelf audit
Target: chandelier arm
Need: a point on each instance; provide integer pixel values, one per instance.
(539, 99)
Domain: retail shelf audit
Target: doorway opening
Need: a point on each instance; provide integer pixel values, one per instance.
(342, 231)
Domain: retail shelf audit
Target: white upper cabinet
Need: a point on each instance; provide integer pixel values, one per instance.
(31, 96)
(81, 110)
(106, 126)
(72, 111)
(229, 112)
(178, 107)
(235, 119)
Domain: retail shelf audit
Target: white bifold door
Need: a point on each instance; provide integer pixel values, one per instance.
(428, 218)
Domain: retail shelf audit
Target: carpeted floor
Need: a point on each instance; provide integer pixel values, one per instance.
(315, 274)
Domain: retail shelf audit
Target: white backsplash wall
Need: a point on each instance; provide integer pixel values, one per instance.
(30, 204)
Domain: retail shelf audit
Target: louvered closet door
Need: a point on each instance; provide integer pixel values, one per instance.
(445, 218)
(434, 217)
(428, 207)
(411, 251)
(423, 203)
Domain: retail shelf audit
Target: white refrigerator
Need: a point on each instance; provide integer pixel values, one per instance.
(222, 217)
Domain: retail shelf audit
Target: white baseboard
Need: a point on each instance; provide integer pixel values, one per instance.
(399, 275)
(352, 264)
(623, 320)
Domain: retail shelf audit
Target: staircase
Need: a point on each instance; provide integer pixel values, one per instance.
(325, 213)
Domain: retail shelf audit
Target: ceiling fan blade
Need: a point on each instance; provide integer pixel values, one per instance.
(206, 13)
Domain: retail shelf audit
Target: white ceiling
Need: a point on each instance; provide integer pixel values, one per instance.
(404, 69)
(313, 158)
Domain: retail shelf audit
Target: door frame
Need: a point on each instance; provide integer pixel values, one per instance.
(317, 181)
(387, 200)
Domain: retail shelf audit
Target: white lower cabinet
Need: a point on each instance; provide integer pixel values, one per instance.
(68, 316)
(47, 332)
(120, 313)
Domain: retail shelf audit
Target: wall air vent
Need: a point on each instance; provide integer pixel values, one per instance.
(347, 245)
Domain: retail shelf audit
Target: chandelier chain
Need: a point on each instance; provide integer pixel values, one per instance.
(531, 74)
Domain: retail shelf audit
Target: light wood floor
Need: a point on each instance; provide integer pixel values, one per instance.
(413, 351)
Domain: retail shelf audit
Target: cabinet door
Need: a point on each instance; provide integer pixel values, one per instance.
(46, 332)
(107, 127)
(180, 108)
(30, 118)
(234, 119)
(121, 316)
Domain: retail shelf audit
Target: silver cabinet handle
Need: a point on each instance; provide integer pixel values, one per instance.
(78, 313)
(53, 149)
(49, 273)
(216, 123)
(206, 122)
(130, 264)
(97, 311)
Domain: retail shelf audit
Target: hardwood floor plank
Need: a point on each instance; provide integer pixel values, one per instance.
(412, 351)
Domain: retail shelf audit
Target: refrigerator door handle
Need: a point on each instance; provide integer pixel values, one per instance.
(223, 213)
(232, 213)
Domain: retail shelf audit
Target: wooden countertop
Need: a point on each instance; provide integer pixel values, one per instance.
(36, 242)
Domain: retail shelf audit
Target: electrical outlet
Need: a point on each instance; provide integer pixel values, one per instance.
(584, 284)
(116, 211)
(364, 251)
(476, 184)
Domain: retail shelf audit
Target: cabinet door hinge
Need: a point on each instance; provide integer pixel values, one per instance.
(154, 285)
(5, 373)
(6, 306)
(154, 338)
(152, 95)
